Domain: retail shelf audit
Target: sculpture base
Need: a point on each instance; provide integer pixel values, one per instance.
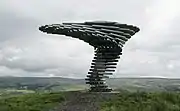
(100, 90)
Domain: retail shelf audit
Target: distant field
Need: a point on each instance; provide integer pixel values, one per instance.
(37, 84)
(55, 84)
(13, 92)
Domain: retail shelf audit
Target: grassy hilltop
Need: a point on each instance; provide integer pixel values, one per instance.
(81, 101)
(63, 94)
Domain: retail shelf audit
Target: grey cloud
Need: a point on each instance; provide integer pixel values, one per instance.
(24, 51)
(13, 26)
(45, 54)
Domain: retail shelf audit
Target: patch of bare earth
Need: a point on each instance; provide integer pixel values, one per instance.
(83, 101)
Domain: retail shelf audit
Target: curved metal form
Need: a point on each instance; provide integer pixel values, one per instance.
(106, 37)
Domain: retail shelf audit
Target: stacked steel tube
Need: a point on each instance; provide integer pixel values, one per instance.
(103, 65)
(107, 38)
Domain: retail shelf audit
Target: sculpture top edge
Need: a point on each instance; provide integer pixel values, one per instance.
(105, 23)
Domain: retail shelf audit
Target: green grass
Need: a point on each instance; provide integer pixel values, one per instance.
(141, 101)
(125, 101)
(31, 102)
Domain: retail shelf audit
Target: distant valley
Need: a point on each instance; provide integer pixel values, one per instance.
(67, 84)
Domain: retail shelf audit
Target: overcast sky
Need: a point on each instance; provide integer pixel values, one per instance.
(25, 51)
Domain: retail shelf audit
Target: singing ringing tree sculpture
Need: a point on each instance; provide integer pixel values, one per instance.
(106, 37)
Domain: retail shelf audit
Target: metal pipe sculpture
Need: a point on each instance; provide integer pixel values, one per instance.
(106, 37)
